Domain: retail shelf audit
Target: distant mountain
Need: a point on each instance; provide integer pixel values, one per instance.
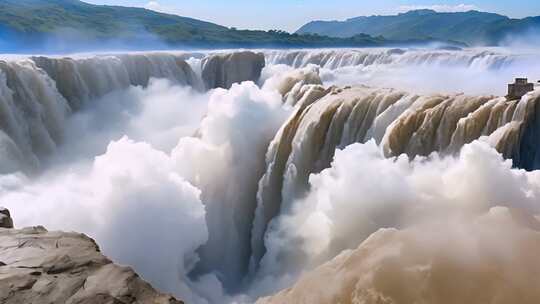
(72, 25)
(31, 19)
(472, 27)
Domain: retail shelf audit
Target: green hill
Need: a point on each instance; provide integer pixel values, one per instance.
(473, 27)
(72, 25)
(36, 17)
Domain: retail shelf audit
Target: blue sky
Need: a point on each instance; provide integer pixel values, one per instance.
(291, 14)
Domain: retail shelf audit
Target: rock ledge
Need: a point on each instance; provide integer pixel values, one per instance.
(38, 266)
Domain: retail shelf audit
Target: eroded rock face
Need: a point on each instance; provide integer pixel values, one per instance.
(222, 70)
(37, 266)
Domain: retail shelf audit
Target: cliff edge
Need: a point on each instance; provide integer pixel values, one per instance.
(38, 266)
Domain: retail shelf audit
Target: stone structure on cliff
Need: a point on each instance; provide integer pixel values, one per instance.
(5, 218)
(519, 88)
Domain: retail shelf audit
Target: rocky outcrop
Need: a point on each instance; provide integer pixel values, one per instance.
(222, 70)
(38, 266)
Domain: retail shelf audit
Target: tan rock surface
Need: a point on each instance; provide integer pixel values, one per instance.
(38, 266)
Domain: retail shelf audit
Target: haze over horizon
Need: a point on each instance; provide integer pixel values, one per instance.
(264, 15)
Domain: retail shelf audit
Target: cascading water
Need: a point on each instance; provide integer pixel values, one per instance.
(84, 79)
(39, 92)
(400, 122)
(472, 71)
(33, 114)
(251, 160)
(334, 59)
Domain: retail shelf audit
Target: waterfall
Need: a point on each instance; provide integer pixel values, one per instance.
(81, 80)
(333, 59)
(399, 122)
(38, 93)
(32, 113)
(266, 141)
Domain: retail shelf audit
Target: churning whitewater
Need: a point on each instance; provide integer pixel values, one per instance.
(243, 171)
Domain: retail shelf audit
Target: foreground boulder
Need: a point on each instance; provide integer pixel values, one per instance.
(222, 70)
(37, 266)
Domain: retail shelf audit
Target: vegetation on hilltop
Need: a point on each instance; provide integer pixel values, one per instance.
(57, 24)
(472, 27)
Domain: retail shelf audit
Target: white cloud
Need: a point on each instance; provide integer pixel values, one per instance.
(152, 5)
(156, 6)
(443, 8)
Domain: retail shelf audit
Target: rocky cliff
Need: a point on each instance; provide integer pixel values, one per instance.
(38, 266)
